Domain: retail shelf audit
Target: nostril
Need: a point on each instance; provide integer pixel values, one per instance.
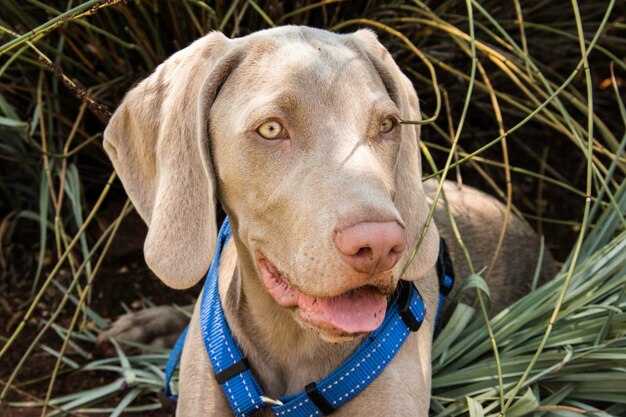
(365, 253)
(398, 248)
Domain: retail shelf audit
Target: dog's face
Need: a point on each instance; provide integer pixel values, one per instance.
(298, 132)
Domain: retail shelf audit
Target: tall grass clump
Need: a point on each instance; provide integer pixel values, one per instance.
(522, 99)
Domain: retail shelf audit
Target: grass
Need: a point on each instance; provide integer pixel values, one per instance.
(523, 100)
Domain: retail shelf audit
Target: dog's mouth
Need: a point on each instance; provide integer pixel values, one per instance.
(357, 311)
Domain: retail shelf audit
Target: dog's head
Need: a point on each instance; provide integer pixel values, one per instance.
(297, 132)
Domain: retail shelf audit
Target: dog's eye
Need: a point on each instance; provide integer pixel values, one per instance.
(271, 130)
(387, 125)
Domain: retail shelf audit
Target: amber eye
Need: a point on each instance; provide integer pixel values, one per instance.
(270, 130)
(387, 125)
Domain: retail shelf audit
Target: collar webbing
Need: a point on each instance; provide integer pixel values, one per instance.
(229, 364)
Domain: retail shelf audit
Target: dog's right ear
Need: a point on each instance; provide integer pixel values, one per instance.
(158, 142)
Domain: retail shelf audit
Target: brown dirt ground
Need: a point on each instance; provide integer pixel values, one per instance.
(124, 279)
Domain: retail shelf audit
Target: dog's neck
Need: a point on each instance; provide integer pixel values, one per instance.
(284, 356)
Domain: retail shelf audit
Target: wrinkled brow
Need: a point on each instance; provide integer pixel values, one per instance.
(284, 103)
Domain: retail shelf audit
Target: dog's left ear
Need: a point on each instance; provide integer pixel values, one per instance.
(158, 142)
(410, 197)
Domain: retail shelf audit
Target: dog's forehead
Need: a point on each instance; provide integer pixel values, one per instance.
(303, 57)
(300, 36)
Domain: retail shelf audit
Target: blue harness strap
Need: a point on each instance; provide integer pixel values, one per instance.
(232, 370)
(365, 364)
(445, 274)
(172, 364)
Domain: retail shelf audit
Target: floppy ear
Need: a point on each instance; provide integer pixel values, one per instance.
(410, 197)
(158, 142)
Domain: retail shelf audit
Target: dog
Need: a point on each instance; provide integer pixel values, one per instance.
(297, 133)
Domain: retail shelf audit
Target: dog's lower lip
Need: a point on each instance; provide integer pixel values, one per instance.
(358, 310)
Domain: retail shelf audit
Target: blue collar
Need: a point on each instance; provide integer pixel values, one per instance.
(232, 370)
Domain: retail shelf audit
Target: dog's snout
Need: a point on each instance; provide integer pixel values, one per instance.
(371, 247)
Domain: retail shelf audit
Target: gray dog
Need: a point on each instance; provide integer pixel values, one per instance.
(296, 131)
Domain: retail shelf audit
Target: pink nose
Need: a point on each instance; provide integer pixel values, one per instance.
(371, 247)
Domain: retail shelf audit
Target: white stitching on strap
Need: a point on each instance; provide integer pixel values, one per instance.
(387, 360)
(245, 385)
(378, 345)
(294, 407)
(232, 396)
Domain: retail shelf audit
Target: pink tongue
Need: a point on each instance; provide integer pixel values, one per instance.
(362, 310)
